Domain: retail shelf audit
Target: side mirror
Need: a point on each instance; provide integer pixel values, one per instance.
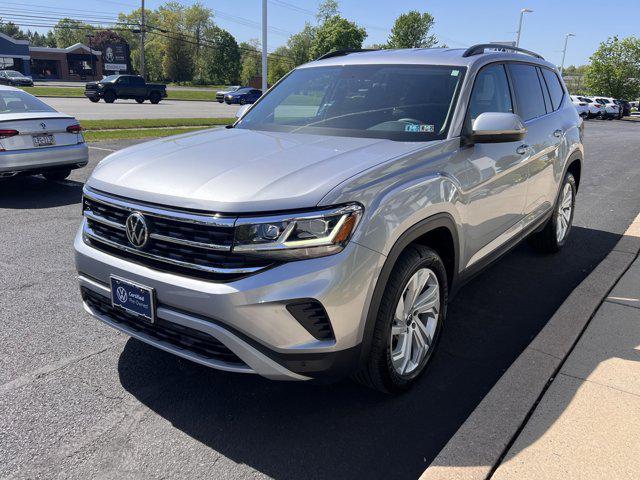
(497, 127)
(242, 110)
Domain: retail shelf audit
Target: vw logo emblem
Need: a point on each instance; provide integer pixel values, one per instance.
(43, 125)
(137, 230)
(121, 293)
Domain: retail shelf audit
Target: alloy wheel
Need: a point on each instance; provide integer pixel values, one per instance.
(415, 322)
(563, 214)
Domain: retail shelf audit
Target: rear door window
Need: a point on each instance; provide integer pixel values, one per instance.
(555, 88)
(528, 91)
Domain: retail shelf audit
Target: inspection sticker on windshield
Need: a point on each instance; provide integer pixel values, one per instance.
(455, 73)
(419, 128)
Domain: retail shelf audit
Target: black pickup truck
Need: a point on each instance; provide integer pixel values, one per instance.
(124, 86)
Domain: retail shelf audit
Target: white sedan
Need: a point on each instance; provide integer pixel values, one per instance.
(35, 139)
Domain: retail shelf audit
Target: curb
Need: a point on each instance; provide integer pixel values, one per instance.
(172, 99)
(476, 449)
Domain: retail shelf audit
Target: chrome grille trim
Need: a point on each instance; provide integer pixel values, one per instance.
(89, 233)
(151, 211)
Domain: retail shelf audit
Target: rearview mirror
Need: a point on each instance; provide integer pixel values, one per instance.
(242, 110)
(497, 127)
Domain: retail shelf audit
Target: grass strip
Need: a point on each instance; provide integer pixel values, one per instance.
(93, 125)
(92, 136)
(77, 92)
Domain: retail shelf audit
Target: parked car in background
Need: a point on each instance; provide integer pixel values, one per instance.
(581, 106)
(596, 110)
(611, 110)
(36, 139)
(328, 240)
(125, 86)
(15, 79)
(243, 95)
(625, 108)
(221, 93)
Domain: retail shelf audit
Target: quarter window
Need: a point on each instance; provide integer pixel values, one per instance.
(528, 91)
(490, 92)
(555, 89)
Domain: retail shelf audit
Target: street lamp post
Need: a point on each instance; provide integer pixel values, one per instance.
(564, 50)
(264, 46)
(522, 12)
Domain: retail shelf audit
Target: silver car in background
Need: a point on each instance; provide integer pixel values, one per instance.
(36, 139)
(325, 232)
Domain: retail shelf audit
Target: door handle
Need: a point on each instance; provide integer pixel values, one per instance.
(522, 149)
(557, 133)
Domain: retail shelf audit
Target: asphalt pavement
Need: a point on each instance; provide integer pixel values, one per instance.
(78, 400)
(83, 109)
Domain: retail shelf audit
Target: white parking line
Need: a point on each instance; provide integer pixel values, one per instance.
(104, 149)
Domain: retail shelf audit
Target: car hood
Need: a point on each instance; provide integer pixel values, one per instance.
(238, 170)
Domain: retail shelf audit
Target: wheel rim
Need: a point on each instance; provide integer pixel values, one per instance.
(415, 322)
(563, 215)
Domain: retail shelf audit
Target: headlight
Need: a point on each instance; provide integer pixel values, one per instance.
(298, 236)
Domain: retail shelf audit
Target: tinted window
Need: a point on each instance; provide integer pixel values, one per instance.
(555, 89)
(528, 91)
(137, 81)
(545, 92)
(396, 102)
(123, 81)
(490, 92)
(21, 102)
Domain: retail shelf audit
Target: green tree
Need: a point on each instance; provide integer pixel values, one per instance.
(411, 30)
(251, 61)
(615, 68)
(337, 33)
(221, 58)
(327, 10)
(299, 45)
(12, 30)
(68, 32)
(279, 64)
(197, 19)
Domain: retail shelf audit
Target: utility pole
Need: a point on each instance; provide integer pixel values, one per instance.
(522, 12)
(142, 41)
(564, 50)
(264, 46)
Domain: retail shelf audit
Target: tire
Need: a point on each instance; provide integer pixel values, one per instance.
(140, 100)
(242, 101)
(57, 175)
(154, 98)
(549, 239)
(109, 97)
(383, 370)
(94, 99)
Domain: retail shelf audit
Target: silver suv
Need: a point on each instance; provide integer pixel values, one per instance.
(325, 232)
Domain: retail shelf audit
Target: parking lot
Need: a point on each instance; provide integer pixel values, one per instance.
(83, 109)
(81, 400)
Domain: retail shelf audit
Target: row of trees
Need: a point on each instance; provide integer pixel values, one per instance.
(613, 71)
(183, 44)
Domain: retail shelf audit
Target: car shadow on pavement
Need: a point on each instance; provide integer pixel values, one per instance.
(35, 192)
(299, 430)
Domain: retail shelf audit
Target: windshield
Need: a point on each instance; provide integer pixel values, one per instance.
(12, 73)
(110, 78)
(17, 101)
(396, 102)
(242, 90)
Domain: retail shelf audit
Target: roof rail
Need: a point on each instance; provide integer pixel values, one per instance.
(481, 47)
(340, 53)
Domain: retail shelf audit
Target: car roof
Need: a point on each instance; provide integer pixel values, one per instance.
(426, 56)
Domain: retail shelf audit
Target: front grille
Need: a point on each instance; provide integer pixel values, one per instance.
(161, 330)
(179, 242)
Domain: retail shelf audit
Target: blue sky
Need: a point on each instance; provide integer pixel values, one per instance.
(459, 23)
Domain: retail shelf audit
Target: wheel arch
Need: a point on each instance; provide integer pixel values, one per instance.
(438, 232)
(574, 166)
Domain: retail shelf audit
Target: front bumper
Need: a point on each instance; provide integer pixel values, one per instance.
(42, 159)
(249, 316)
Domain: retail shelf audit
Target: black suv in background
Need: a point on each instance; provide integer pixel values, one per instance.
(125, 86)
